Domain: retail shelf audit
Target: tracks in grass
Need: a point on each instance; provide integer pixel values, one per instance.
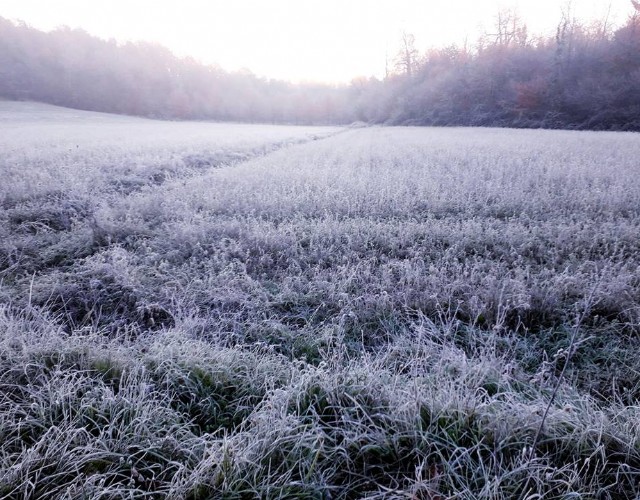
(202, 163)
(53, 240)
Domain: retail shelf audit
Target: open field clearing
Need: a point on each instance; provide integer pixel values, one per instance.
(196, 310)
(48, 150)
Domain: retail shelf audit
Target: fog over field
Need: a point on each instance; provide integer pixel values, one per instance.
(320, 250)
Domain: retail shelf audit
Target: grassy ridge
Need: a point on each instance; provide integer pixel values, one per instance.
(384, 313)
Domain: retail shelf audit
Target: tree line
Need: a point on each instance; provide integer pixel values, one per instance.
(69, 67)
(582, 77)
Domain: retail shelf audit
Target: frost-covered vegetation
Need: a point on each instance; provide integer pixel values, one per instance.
(380, 313)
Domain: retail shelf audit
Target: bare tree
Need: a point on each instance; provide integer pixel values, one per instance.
(407, 58)
(510, 29)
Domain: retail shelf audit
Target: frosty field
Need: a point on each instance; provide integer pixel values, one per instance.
(200, 310)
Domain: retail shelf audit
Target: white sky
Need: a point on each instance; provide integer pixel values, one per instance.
(298, 40)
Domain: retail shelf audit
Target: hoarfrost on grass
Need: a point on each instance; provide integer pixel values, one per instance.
(382, 312)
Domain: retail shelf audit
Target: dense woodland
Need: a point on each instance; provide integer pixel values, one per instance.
(584, 77)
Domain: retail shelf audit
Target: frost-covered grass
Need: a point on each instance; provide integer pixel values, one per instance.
(49, 151)
(381, 313)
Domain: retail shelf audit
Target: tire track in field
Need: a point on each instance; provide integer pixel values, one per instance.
(57, 232)
(201, 164)
(108, 221)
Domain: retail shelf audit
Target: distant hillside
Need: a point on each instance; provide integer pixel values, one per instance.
(72, 68)
(583, 77)
(37, 112)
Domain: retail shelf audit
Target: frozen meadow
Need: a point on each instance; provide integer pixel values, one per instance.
(204, 310)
